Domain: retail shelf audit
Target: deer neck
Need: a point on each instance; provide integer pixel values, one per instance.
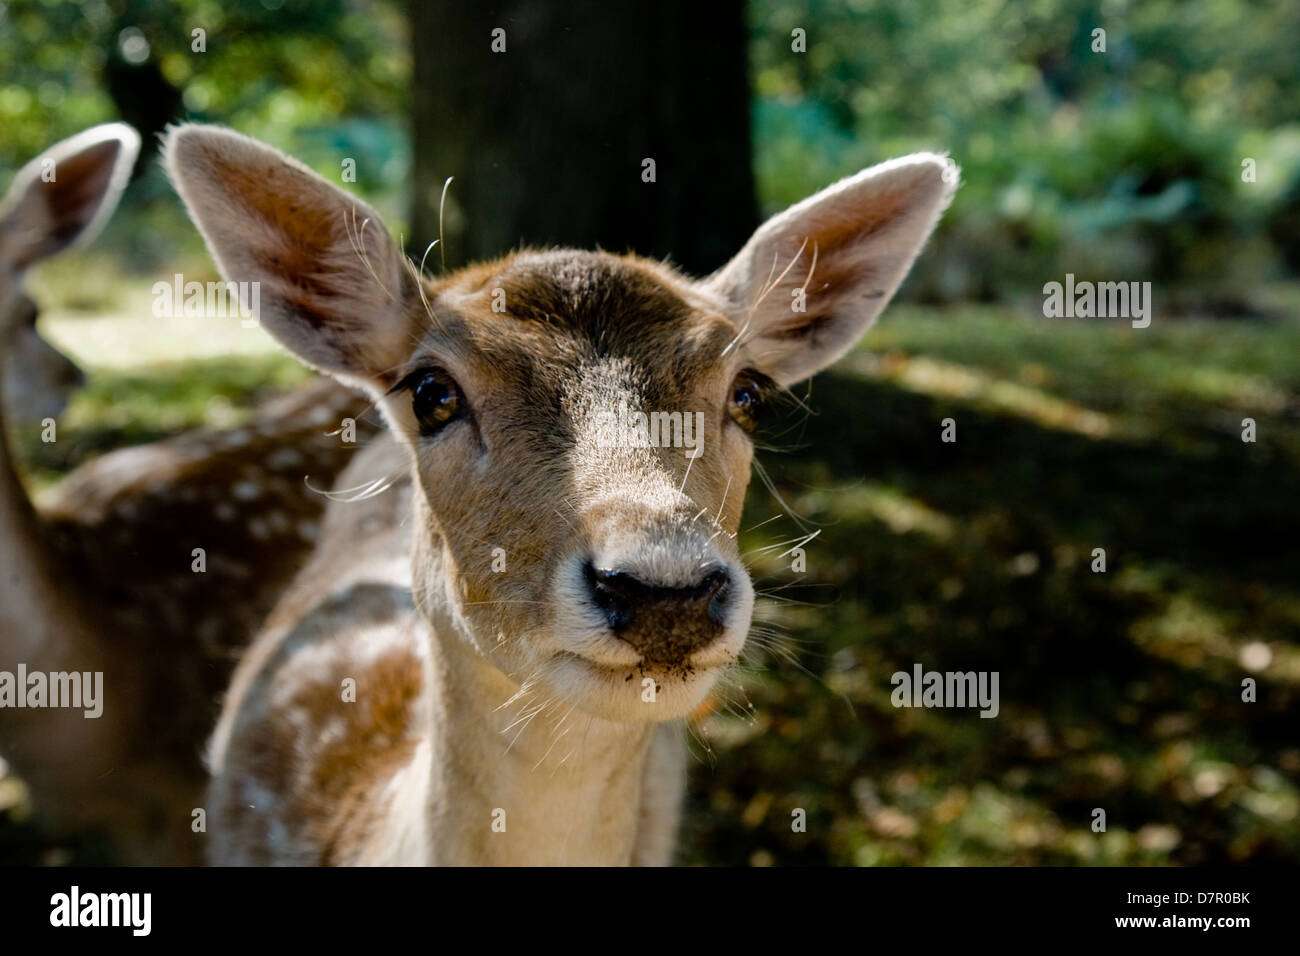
(44, 628)
(36, 621)
(516, 778)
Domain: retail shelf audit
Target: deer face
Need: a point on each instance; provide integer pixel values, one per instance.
(38, 378)
(59, 198)
(583, 546)
(579, 423)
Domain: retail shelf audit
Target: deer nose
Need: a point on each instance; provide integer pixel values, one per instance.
(662, 622)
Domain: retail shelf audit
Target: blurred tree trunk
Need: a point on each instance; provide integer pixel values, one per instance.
(547, 140)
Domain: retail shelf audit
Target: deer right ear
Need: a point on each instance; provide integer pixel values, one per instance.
(812, 279)
(331, 285)
(65, 194)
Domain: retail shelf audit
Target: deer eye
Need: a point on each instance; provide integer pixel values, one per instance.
(436, 399)
(746, 400)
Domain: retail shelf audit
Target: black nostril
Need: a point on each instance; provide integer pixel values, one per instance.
(716, 590)
(610, 590)
(619, 594)
(710, 585)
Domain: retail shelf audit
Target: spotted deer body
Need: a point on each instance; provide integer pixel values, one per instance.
(102, 577)
(488, 659)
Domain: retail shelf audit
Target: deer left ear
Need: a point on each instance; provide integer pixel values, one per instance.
(814, 278)
(64, 195)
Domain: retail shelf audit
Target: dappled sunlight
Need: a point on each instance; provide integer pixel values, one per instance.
(1121, 688)
(1190, 633)
(1108, 368)
(933, 377)
(139, 340)
(900, 513)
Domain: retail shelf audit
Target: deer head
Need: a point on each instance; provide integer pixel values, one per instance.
(568, 545)
(58, 199)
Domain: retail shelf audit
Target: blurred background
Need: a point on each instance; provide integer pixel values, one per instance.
(1171, 154)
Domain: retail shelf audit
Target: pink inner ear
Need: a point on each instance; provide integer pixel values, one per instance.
(81, 182)
(837, 281)
(295, 238)
(51, 215)
(296, 232)
(845, 266)
(331, 281)
(856, 225)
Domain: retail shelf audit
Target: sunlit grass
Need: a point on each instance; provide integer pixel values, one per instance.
(1245, 365)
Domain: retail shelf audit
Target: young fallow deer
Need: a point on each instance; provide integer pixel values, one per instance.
(95, 165)
(488, 663)
(102, 577)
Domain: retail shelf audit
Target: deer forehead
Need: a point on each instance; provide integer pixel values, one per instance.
(565, 325)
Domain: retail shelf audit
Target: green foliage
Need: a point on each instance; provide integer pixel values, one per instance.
(1119, 164)
(321, 80)
(268, 67)
(1123, 163)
